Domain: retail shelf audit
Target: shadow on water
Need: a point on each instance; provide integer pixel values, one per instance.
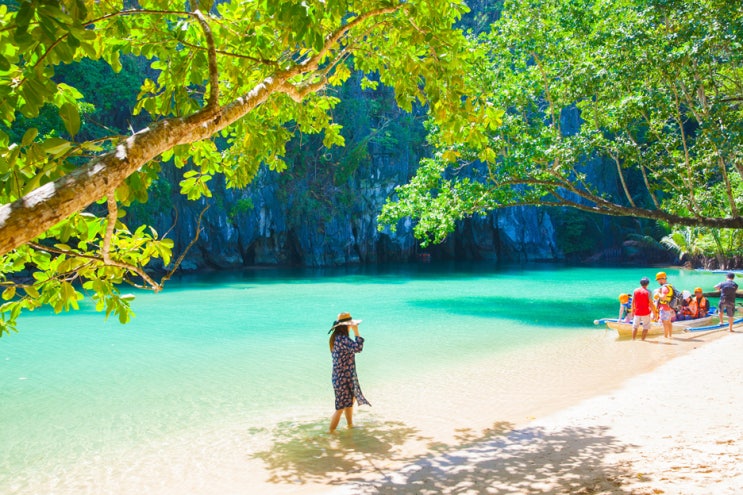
(540, 311)
(308, 453)
(500, 460)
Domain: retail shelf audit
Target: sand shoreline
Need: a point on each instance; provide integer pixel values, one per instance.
(631, 435)
(675, 430)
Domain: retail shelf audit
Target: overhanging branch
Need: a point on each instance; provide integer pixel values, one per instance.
(601, 206)
(42, 208)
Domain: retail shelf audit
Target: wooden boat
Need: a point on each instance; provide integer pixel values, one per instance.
(624, 329)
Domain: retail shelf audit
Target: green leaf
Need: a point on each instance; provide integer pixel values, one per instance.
(29, 136)
(70, 117)
(9, 293)
(31, 291)
(56, 146)
(24, 15)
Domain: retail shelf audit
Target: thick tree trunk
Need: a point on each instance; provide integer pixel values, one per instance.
(44, 207)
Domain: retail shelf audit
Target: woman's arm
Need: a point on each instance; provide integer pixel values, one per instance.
(358, 344)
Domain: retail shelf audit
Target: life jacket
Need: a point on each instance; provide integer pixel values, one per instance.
(696, 307)
(692, 308)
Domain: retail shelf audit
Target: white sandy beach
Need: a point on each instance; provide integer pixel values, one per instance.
(675, 430)
(670, 422)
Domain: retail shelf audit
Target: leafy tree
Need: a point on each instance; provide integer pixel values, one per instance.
(709, 248)
(658, 86)
(244, 75)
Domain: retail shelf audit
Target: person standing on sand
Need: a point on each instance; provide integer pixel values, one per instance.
(345, 381)
(642, 306)
(728, 290)
(666, 312)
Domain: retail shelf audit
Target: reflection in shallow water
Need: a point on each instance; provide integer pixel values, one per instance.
(307, 453)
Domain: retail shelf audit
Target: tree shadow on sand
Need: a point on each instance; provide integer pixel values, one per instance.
(371, 460)
(526, 461)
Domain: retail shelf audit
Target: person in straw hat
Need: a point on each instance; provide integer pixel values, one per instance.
(345, 381)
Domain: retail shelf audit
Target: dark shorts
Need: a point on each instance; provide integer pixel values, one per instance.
(728, 309)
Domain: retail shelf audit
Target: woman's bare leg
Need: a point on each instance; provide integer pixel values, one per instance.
(349, 416)
(335, 419)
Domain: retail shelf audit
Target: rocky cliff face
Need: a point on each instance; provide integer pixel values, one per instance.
(322, 211)
(269, 233)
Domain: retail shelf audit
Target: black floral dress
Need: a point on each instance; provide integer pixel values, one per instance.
(345, 380)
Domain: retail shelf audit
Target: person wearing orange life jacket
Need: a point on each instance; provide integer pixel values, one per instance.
(699, 305)
(687, 310)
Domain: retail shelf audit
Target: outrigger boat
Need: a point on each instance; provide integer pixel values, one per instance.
(624, 329)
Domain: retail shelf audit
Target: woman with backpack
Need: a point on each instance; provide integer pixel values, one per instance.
(667, 314)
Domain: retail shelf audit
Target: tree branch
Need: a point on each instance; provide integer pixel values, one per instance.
(602, 206)
(113, 215)
(644, 171)
(257, 60)
(39, 210)
(213, 99)
(69, 253)
(620, 173)
(185, 251)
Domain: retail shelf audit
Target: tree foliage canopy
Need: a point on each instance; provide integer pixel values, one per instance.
(231, 82)
(659, 89)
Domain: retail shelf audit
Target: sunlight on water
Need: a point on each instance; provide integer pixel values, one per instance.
(250, 349)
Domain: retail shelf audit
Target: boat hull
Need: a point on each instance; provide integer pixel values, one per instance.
(656, 328)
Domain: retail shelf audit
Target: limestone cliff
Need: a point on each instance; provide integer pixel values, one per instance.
(322, 211)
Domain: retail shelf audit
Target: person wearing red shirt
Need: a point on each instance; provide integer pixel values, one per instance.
(642, 306)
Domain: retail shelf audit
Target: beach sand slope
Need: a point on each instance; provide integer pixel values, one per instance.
(676, 430)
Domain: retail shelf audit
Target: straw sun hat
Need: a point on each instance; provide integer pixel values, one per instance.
(344, 319)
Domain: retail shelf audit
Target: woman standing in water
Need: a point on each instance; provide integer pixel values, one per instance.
(345, 381)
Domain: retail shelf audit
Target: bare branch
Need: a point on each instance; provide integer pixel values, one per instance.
(190, 245)
(257, 60)
(213, 100)
(602, 206)
(113, 215)
(620, 173)
(687, 176)
(644, 171)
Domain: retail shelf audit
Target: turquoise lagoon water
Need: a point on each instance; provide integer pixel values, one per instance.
(250, 349)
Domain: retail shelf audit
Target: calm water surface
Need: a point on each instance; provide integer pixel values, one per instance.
(251, 348)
